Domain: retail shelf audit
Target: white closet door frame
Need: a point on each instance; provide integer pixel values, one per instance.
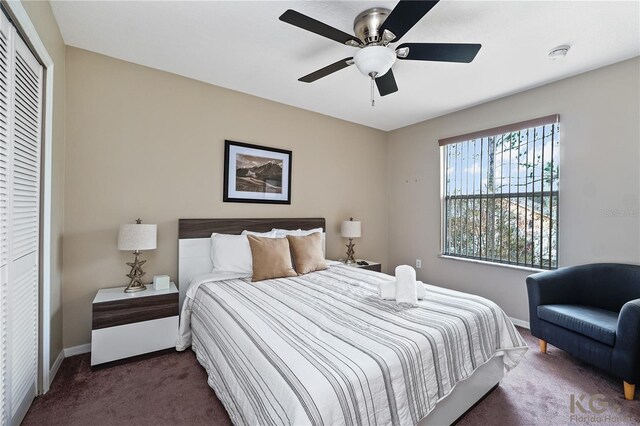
(23, 22)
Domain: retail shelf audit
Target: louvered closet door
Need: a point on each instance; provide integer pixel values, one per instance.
(4, 207)
(21, 216)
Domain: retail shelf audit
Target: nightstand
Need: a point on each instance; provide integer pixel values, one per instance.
(372, 266)
(130, 324)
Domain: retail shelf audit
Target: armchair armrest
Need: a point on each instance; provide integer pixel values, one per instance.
(626, 353)
(550, 288)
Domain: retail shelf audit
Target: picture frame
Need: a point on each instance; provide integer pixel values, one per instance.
(256, 174)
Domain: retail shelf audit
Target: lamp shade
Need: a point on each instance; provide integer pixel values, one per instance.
(137, 237)
(351, 229)
(374, 59)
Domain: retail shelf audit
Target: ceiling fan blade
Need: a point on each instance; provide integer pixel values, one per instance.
(405, 15)
(329, 69)
(306, 23)
(387, 84)
(442, 52)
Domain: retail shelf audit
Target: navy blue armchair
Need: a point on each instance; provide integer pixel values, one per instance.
(593, 313)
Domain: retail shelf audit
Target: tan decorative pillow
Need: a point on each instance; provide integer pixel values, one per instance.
(271, 258)
(307, 253)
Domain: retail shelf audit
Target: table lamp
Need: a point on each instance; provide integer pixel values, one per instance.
(136, 237)
(350, 229)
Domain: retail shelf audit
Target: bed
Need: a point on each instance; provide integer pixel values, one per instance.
(323, 349)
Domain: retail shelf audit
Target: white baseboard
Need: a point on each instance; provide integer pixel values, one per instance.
(77, 350)
(520, 323)
(56, 366)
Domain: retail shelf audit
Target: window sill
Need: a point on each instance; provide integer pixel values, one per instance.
(484, 262)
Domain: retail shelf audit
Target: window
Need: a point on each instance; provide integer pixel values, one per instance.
(501, 194)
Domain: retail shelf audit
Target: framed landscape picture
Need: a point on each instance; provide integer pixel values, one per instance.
(256, 174)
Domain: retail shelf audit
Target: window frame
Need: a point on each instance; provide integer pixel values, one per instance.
(553, 119)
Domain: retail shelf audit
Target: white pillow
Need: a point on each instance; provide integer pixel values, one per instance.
(282, 233)
(231, 253)
(270, 234)
(309, 232)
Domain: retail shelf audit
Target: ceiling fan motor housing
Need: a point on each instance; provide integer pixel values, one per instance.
(366, 25)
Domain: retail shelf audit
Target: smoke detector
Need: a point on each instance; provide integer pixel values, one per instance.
(559, 52)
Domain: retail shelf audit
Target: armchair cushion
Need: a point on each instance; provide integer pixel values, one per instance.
(598, 324)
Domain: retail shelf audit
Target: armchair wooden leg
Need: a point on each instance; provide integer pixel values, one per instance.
(629, 391)
(543, 346)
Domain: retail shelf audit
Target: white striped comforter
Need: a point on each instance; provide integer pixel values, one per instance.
(323, 349)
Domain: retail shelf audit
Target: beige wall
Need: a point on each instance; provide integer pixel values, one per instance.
(45, 24)
(599, 172)
(142, 142)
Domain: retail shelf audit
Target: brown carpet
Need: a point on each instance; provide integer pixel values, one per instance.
(172, 389)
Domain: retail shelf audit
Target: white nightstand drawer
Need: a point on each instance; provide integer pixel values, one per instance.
(123, 341)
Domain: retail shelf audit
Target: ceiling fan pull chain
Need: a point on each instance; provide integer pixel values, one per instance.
(373, 102)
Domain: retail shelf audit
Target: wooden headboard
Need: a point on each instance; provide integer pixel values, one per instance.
(203, 228)
(194, 240)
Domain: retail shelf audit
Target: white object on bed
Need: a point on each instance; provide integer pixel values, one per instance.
(231, 253)
(422, 293)
(270, 234)
(387, 290)
(406, 288)
(309, 232)
(281, 233)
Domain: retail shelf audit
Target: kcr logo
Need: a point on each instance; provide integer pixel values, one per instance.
(596, 404)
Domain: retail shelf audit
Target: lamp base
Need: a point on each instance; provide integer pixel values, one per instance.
(134, 289)
(136, 274)
(350, 252)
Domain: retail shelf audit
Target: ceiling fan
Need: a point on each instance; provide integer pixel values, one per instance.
(375, 30)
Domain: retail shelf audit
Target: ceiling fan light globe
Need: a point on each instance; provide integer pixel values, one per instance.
(376, 60)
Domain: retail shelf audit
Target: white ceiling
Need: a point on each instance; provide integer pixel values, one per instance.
(241, 45)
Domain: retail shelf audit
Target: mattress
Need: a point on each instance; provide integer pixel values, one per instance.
(323, 349)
